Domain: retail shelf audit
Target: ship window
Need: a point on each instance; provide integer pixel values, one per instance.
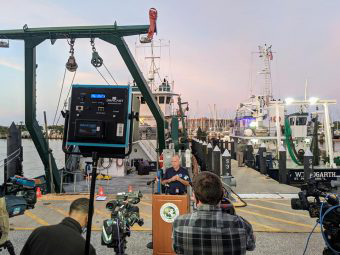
(161, 100)
(291, 121)
(301, 121)
(168, 99)
(142, 100)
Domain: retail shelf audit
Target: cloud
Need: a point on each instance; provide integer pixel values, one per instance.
(10, 64)
(211, 47)
(35, 13)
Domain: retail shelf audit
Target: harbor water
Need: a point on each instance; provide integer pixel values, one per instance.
(32, 164)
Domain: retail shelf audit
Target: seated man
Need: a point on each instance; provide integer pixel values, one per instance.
(64, 238)
(176, 177)
(210, 230)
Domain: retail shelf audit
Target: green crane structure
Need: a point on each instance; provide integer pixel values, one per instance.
(112, 34)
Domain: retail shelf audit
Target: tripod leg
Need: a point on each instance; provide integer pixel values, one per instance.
(10, 248)
(121, 250)
(92, 191)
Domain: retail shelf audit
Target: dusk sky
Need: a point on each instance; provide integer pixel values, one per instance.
(211, 45)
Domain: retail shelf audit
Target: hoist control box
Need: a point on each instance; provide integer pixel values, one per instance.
(99, 119)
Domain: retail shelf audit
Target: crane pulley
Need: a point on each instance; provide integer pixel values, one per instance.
(71, 63)
(96, 60)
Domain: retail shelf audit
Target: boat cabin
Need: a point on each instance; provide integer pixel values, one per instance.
(298, 124)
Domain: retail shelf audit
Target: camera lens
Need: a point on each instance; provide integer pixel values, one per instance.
(296, 204)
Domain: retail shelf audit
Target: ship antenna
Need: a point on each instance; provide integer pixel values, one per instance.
(267, 55)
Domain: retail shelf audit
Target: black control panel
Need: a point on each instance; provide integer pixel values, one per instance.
(99, 119)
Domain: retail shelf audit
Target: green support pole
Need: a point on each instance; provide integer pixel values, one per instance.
(30, 113)
(142, 85)
(174, 132)
(184, 134)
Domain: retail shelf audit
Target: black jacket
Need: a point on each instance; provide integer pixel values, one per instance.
(62, 239)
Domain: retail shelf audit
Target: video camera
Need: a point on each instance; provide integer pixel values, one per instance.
(20, 194)
(124, 214)
(327, 211)
(17, 195)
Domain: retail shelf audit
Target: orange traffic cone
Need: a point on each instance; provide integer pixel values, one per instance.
(101, 195)
(130, 188)
(101, 191)
(39, 195)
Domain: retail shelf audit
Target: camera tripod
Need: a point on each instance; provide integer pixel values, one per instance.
(120, 244)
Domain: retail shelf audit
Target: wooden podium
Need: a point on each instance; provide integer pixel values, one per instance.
(165, 208)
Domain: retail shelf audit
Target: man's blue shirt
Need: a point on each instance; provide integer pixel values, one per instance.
(183, 174)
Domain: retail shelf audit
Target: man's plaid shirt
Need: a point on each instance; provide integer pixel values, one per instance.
(208, 230)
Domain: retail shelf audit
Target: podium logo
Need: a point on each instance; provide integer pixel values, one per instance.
(169, 212)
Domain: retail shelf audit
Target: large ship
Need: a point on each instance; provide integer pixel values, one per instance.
(292, 124)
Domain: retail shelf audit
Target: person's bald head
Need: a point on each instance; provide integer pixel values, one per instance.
(175, 162)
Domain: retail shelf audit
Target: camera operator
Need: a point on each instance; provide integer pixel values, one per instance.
(64, 238)
(176, 177)
(210, 230)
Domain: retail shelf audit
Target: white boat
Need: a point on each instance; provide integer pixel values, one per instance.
(263, 121)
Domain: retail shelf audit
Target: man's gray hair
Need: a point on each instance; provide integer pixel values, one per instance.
(176, 156)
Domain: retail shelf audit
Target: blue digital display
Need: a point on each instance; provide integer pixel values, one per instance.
(98, 96)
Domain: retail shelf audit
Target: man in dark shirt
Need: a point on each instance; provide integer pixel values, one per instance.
(209, 230)
(176, 177)
(64, 238)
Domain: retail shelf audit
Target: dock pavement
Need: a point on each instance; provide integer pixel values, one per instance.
(278, 228)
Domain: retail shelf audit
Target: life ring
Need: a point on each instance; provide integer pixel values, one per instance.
(160, 161)
(274, 119)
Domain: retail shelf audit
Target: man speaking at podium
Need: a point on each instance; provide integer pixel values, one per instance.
(176, 177)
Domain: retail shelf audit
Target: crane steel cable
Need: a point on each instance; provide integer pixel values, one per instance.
(68, 93)
(61, 92)
(102, 76)
(110, 73)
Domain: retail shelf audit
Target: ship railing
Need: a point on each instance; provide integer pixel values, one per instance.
(78, 183)
(75, 175)
(10, 157)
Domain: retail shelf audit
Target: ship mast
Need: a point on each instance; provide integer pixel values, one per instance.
(267, 55)
(153, 68)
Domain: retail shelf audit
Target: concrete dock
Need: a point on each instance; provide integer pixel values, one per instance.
(279, 229)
